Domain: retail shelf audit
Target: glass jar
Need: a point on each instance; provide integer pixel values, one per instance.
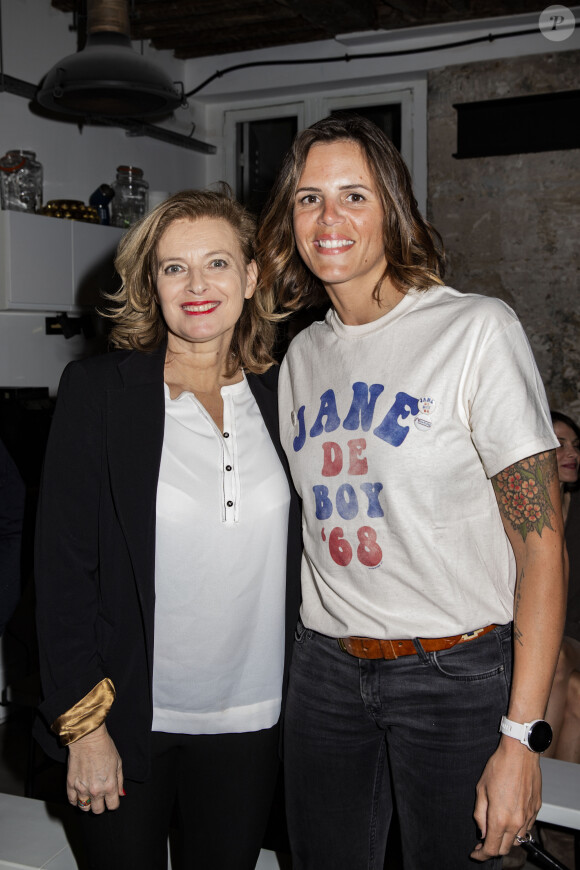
(129, 203)
(21, 181)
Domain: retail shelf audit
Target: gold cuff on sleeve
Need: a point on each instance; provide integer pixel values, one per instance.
(86, 715)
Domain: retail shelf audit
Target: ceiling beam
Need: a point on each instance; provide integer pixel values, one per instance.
(340, 16)
(188, 13)
(264, 38)
(190, 26)
(395, 14)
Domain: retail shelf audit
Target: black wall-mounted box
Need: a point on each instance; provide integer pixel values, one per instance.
(518, 125)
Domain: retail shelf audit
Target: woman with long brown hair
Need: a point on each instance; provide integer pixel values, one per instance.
(419, 439)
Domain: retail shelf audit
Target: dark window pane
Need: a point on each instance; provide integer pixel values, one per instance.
(260, 147)
(388, 118)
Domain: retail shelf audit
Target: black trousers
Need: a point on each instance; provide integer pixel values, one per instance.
(214, 793)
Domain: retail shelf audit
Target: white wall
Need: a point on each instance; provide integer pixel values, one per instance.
(30, 358)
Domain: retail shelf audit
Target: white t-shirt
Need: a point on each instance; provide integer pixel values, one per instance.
(220, 569)
(392, 430)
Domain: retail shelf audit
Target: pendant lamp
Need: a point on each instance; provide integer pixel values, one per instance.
(108, 77)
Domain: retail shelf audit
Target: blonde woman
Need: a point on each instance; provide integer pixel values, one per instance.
(167, 553)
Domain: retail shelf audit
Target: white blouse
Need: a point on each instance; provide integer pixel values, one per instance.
(220, 569)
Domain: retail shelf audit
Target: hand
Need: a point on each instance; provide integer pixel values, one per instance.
(508, 798)
(95, 773)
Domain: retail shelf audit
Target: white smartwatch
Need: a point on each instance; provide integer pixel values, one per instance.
(536, 735)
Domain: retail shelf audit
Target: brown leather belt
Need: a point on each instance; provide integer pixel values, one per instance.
(371, 648)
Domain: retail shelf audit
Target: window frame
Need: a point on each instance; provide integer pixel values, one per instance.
(308, 108)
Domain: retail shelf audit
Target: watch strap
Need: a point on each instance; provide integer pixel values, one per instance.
(515, 729)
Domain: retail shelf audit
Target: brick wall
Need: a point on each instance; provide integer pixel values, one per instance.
(511, 225)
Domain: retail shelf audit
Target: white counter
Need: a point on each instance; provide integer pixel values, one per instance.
(560, 793)
(32, 837)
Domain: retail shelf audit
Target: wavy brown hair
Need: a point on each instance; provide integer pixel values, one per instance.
(413, 248)
(138, 323)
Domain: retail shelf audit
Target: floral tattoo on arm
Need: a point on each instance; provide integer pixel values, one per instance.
(522, 493)
(523, 497)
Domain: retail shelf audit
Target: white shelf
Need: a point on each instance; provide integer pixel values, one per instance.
(52, 264)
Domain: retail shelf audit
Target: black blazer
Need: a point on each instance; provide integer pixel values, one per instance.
(95, 541)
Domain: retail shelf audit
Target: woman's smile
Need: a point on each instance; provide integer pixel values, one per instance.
(333, 245)
(197, 308)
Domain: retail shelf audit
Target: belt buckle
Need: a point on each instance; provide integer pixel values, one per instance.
(341, 645)
(471, 635)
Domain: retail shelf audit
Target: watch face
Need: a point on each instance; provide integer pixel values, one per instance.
(540, 736)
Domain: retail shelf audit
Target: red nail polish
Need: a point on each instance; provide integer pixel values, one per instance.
(124, 793)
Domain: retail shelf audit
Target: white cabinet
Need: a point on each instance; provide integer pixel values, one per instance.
(52, 264)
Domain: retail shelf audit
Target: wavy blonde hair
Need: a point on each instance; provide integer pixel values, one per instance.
(413, 248)
(138, 322)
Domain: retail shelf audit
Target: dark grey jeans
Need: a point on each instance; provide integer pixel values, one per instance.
(362, 735)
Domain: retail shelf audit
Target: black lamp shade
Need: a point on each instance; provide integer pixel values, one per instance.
(108, 78)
